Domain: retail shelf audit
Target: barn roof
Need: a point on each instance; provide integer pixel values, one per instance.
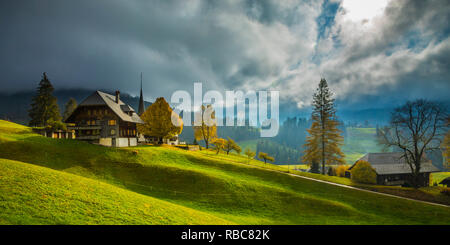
(120, 109)
(394, 163)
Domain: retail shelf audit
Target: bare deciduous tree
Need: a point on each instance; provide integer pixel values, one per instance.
(414, 129)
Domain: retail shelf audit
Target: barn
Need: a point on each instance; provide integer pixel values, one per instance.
(392, 169)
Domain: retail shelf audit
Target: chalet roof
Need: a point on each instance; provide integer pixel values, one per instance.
(394, 163)
(120, 109)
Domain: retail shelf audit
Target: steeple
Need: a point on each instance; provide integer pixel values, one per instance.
(141, 101)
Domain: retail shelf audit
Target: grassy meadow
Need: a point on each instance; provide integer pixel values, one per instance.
(358, 142)
(58, 181)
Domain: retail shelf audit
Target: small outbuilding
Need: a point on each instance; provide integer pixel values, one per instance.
(392, 169)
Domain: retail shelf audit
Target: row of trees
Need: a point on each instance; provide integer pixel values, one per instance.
(44, 110)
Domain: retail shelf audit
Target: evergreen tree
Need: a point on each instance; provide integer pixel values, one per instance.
(324, 139)
(159, 118)
(71, 105)
(44, 106)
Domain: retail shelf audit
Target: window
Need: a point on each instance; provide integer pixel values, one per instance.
(89, 112)
(112, 122)
(113, 132)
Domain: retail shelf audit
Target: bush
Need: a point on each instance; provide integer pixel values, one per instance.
(331, 171)
(315, 168)
(340, 170)
(446, 191)
(362, 172)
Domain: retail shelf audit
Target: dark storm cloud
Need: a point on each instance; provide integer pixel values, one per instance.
(246, 44)
(100, 44)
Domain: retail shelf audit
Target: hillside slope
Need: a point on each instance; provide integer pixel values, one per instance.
(31, 194)
(219, 185)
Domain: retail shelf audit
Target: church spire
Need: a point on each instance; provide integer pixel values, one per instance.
(141, 101)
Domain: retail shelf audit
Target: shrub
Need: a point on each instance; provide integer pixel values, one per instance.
(362, 172)
(331, 171)
(446, 191)
(340, 170)
(315, 168)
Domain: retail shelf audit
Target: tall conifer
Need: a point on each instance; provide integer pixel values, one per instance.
(324, 139)
(44, 106)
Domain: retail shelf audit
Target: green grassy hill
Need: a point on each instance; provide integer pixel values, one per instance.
(358, 142)
(31, 194)
(180, 185)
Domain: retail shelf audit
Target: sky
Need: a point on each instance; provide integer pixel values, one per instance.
(372, 52)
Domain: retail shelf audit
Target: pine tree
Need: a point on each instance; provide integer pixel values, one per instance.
(44, 106)
(71, 105)
(159, 118)
(324, 139)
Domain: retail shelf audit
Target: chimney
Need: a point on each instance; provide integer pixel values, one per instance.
(117, 96)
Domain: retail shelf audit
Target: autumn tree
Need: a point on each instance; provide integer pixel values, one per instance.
(250, 154)
(363, 172)
(160, 121)
(219, 144)
(415, 128)
(324, 140)
(265, 157)
(232, 145)
(44, 106)
(205, 126)
(71, 105)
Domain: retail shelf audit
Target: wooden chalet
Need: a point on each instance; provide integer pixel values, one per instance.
(106, 120)
(392, 169)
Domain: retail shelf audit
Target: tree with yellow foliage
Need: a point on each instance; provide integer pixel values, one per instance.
(363, 172)
(219, 144)
(324, 140)
(265, 157)
(160, 121)
(230, 145)
(205, 126)
(250, 154)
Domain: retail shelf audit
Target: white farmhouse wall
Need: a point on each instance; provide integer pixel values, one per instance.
(122, 142)
(105, 141)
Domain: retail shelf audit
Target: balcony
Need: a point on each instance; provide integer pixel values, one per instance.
(88, 137)
(92, 127)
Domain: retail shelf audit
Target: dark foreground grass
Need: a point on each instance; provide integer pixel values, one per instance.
(217, 185)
